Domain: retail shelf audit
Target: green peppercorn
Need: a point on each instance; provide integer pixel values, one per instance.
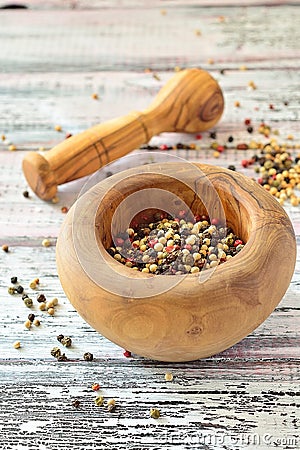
(66, 341)
(55, 352)
(62, 357)
(99, 400)
(28, 302)
(88, 356)
(14, 280)
(20, 289)
(154, 413)
(11, 290)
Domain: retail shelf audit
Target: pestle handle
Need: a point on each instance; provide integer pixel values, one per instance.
(191, 101)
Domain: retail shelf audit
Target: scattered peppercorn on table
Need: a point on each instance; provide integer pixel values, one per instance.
(64, 68)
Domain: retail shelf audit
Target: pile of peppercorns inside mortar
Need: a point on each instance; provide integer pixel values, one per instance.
(164, 245)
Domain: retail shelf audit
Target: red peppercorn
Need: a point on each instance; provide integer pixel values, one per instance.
(95, 386)
(260, 181)
(119, 242)
(181, 213)
(245, 163)
(198, 136)
(163, 147)
(68, 135)
(271, 106)
(242, 146)
(127, 354)
(64, 209)
(214, 221)
(247, 121)
(153, 242)
(237, 242)
(188, 247)
(220, 148)
(169, 248)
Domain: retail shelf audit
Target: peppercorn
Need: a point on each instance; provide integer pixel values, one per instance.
(99, 400)
(64, 209)
(88, 356)
(24, 296)
(66, 341)
(95, 386)
(17, 344)
(231, 167)
(12, 148)
(111, 408)
(76, 403)
(11, 290)
(32, 285)
(5, 248)
(36, 322)
(250, 130)
(213, 135)
(42, 306)
(14, 280)
(31, 317)
(154, 413)
(46, 243)
(28, 302)
(41, 298)
(127, 354)
(20, 289)
(62, 358)
(95, 96)
(54, 200)
(55, 352)
(57, 128)
(168, 376)
(26, 194)
(51, 311)
(60, 337)
(27, 324)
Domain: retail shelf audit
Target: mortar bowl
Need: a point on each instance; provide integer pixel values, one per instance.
(176, 318)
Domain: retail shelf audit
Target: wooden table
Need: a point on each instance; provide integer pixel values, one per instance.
(54, 56)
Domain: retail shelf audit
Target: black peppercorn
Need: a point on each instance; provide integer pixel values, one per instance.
(62, 358)
(26, 194)
(60, 337)
(76, 403)
(31, 317)
(19, 289)
(250, 129)
(41, 298)
(24, 296)
(88, 356)
(231, 167)
(213, 135)
(14, 280)
(230, 139)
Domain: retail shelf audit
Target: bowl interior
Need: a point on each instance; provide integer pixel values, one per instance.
(136, 199)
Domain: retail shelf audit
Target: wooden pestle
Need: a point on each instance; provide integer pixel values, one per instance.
(191, 101)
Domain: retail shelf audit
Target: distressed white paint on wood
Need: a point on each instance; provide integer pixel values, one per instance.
(51, 63)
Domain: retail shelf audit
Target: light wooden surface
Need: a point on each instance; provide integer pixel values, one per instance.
(52, 59)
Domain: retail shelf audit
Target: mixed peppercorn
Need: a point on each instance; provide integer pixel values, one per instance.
(175, 246)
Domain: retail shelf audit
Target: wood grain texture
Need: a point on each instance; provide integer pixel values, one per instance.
(51, 63)
(176, 318)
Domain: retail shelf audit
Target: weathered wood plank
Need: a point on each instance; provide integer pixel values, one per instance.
(137, 38)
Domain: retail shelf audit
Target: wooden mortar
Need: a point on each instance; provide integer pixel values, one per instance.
(189, 319)
(191, 101)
